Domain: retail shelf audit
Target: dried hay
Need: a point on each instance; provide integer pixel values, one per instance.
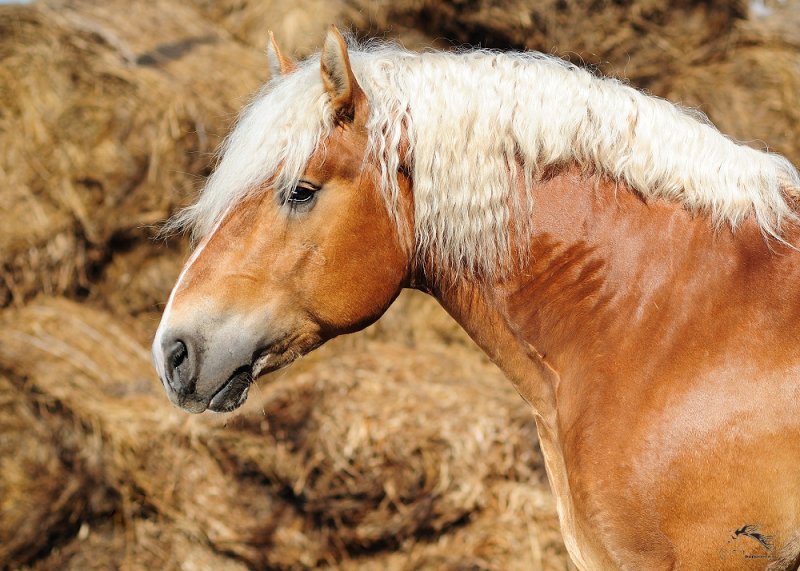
(135, 545)
(94, 368)
(739, 65)
(300, 26)
(752, 96)
(137, 279)
(639, 39)
(518, 530)
(120, 104)
(751, 90)
(416, 320)
(374, 449)
(49, 477)
(382, 444)
(638, 35)
(110, 111)
(398, 448)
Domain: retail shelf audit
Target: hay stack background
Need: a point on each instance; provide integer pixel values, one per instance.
(347, 453)
(109, 116)
(400, 447)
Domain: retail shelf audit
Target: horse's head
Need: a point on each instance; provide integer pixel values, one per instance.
(279, 272)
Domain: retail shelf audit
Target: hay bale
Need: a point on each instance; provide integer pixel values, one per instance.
(110, 112)
(750, 89)
(91, 366)
(366, 450)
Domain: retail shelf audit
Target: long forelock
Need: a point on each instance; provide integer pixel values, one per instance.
(273, 140)
(477, 125)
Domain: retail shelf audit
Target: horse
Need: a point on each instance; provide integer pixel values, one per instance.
(631, 270)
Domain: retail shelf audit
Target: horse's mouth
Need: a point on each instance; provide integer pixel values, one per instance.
(233, 393)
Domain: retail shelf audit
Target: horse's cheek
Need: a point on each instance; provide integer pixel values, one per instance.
(351, 293)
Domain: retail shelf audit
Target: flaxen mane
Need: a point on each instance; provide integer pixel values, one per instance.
(478, 121)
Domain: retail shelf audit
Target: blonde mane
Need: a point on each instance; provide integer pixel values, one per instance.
(478, 123)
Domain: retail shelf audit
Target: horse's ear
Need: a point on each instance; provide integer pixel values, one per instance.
(279, 64)
(337, 76)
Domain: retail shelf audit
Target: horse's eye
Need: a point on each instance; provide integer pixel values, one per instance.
(301, 194)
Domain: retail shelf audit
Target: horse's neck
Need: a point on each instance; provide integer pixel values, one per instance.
(605, 279)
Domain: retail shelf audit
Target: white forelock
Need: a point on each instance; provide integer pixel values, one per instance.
(479, 122)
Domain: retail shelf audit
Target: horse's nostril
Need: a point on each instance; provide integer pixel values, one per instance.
(179, 364)
(179, 354)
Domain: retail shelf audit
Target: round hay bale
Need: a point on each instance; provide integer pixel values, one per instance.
(110, 112)
(369, 449)
(89, 363)
(750, 90)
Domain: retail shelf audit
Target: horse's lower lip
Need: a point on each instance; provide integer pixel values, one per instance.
(233, 393)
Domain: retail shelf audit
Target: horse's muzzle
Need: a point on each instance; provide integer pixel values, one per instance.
(177, 361)
(210, 362)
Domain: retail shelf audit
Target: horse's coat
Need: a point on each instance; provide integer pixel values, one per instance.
(630, 269)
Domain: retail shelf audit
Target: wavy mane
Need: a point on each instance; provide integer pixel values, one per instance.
(479, 122)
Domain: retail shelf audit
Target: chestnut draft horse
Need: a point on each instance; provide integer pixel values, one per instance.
(631, 270)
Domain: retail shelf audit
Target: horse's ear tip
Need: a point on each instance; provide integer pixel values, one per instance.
(334, 35)
(337, 74)
(279, 63)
